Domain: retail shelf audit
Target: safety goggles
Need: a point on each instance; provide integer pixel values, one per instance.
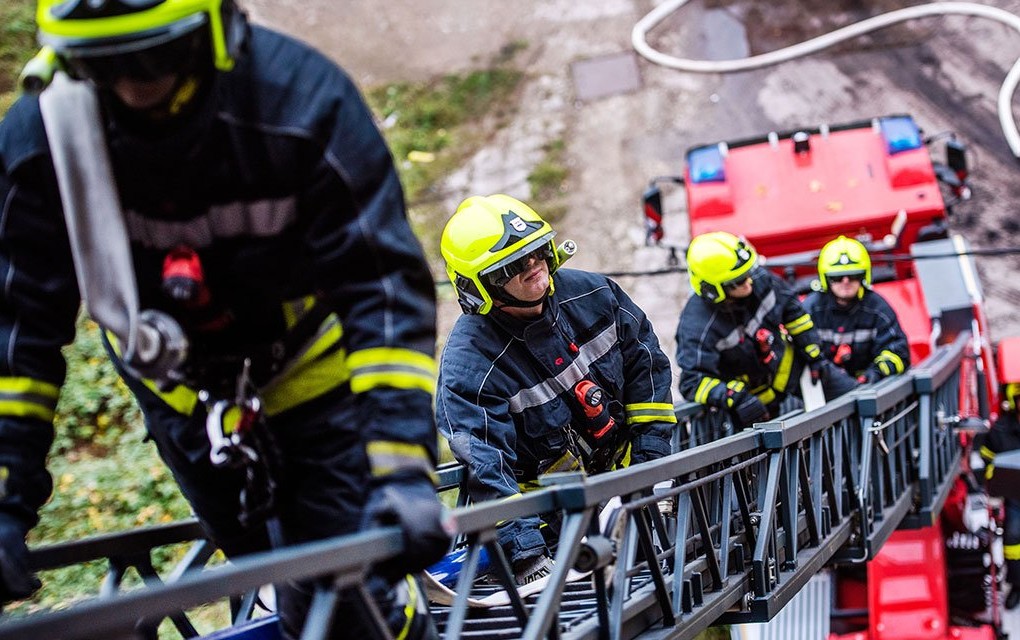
(504, 273)
(152, 59)
(736, 283)
(853, 277)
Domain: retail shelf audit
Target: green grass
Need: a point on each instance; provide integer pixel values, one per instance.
(17, 45)
(548, 183)
(428, 125)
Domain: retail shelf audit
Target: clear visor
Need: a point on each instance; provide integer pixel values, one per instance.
(162, 53)
(502, 272)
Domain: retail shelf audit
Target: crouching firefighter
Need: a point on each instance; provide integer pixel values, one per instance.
(744, 338)
(547, 370)
(231, 217)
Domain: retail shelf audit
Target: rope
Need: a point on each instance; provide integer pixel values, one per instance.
(876, 259)
(1006, 91)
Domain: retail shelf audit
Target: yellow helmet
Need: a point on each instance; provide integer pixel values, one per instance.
(144, 39)
(717, 261)
(844, 257)
(483, 242)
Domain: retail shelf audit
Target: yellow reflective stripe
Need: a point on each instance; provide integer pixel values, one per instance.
(1011, 551)
(181, 399)
(989, 470)
(766, 396)
(813, 351)
(986, 453)
(409, 608)
(735, 385)
(893, 360)
(28, 397)
(387, 456)
(783, 371)
(392, 367)
(706, 386)
(293, 310)
(800, 325)
(17, 409)
(650, 412)
(305, 381)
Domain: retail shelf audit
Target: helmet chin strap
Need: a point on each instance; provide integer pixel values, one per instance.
(507, 300)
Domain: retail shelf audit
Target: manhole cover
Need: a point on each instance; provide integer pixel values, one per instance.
(603, 76)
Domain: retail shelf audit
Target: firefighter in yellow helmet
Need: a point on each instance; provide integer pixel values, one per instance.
(1002, 437)
(857, 328)
(744, 338)
(250, 213)
(548, 369)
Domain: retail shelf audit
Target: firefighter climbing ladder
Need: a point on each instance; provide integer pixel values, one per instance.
(754, 515)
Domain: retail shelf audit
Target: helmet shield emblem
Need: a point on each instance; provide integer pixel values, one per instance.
(515, 230)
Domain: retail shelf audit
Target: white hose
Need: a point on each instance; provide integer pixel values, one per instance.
(1006, 91)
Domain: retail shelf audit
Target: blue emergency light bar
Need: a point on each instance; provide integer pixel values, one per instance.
(901, 134)
(706, 164)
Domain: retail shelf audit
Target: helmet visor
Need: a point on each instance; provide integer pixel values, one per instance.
(159, 55)
(855, 276)
(736, 283)
(506, 272)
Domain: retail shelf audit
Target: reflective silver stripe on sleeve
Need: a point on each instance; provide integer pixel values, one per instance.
(860, 335)
(548, 389)
(768, 303)
(261, 218)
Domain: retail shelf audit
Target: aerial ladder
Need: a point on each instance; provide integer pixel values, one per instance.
(729, 528)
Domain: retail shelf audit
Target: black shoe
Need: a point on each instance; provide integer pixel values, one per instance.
(1013, 599)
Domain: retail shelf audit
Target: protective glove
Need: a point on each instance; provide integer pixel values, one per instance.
(409, 500)
(16, 581)
(869, 376)
(648, 447)
(748, 408)
(835, 381)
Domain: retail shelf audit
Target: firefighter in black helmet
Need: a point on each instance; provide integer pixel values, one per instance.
(263, 220)
(744, 338)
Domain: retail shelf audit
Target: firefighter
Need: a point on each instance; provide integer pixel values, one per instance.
(541, 374)
(744, 338)
(1002, 437)
(857, 328)
(263, 220)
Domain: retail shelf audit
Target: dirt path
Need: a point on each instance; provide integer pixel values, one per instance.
(945, 71)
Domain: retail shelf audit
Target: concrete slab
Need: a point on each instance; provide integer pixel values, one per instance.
(605, 76)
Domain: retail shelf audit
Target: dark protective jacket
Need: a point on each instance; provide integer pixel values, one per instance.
(878, 346)
(506, 400)
(718, 346)
(1002, 437)
(286, 191)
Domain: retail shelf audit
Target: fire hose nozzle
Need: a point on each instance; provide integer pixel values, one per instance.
(160, 346)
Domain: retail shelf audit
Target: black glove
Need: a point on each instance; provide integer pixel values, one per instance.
(408, 500)
(16, 581)
(835, 381)
(748, 408)
(648, 447)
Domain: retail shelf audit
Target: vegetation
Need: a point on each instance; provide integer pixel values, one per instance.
(17, 45)
(548, 182)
